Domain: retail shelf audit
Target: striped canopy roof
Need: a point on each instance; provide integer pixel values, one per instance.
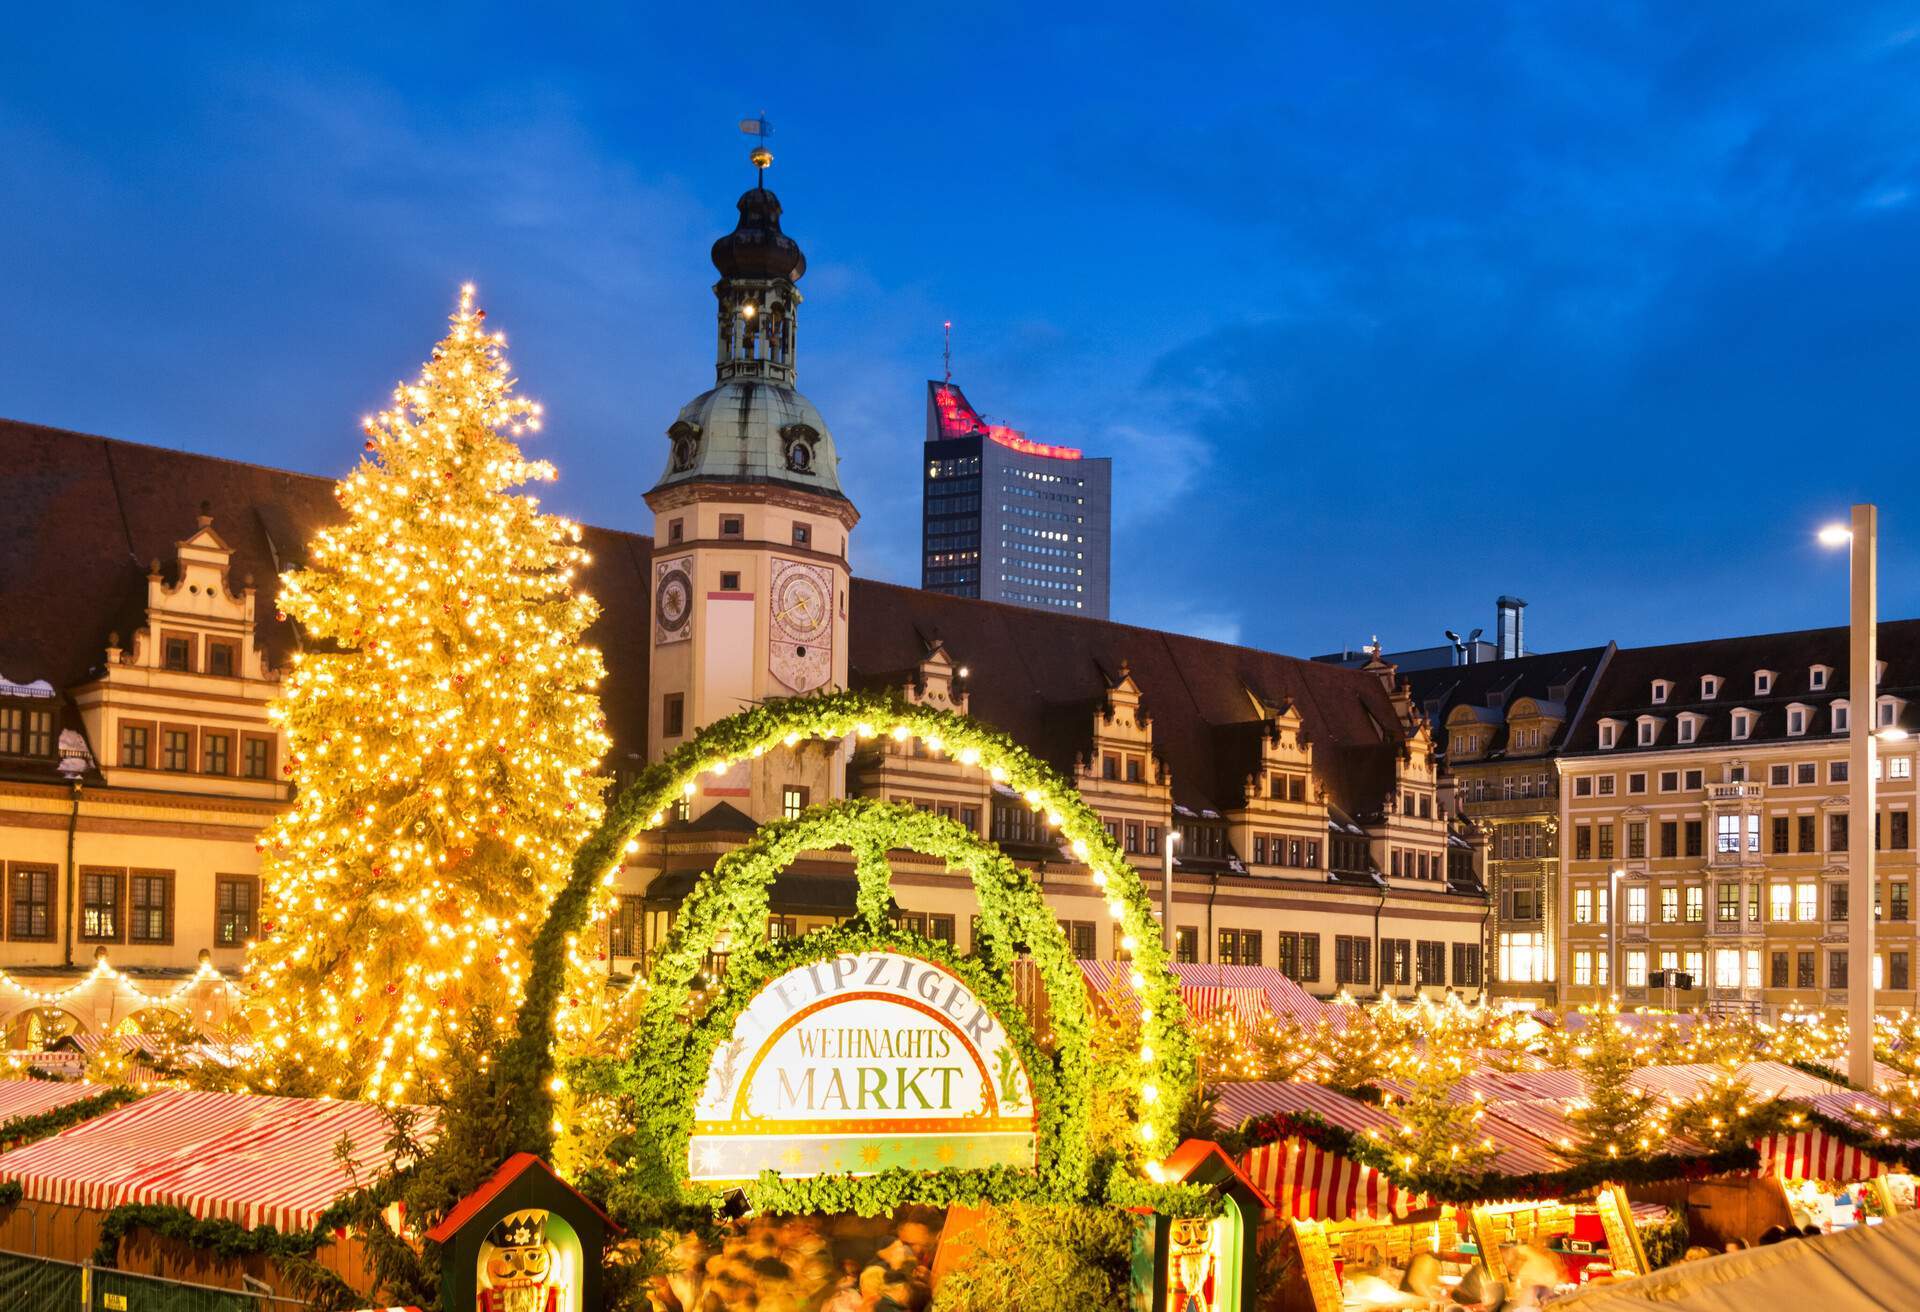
(1249, 991)
(250, 1159)
(1518, 1150)
(21, 1098)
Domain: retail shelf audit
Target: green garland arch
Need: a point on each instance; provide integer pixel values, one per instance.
(670, 1064)
(1166, 1069)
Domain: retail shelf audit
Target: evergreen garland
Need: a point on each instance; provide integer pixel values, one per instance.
(28, 1129)
(1011, 910)
(670, 1064)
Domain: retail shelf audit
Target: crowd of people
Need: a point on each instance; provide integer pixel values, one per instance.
(806, 1264)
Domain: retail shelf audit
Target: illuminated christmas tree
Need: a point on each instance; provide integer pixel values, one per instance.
(442, 739)
(1616, 1117)
(1439, 1136)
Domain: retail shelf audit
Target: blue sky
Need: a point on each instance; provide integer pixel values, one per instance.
(1382, 311)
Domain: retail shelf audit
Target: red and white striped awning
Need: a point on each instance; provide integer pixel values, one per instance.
(249, 1159)
(1241, 1101)
(1309, 1183)
(1249, 991)
(21, 1098)
(1812, 1155)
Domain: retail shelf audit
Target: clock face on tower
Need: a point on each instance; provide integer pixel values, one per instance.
(800, 635)
(673, 599)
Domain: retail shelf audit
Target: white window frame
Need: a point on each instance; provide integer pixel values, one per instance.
(1762, 682)
(1661, 687)
(1742, 725)
(1842, 715)
(1609, 735)
(1709, 687)
(1799, 715)
(1817, 676)
(1648, 731)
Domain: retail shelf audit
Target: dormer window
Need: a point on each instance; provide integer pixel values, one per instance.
(1743, 724)
(1840, 716)
(1817, 676)
(1762, 682)
(1797, 717)
(1890, 708)
(25, 730)
(1609, 735)
(1649, 731)
(1709, 687)
(1661, 687)
(1688, 729)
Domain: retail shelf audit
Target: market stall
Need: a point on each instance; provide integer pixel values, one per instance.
(252, 1160)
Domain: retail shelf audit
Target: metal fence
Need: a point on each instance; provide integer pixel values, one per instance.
(34, 1284)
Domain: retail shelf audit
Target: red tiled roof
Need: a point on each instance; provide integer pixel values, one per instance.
(510, 1170)
(1041, 677)
(86, 514)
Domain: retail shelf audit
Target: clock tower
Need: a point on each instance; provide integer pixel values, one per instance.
(750, 532)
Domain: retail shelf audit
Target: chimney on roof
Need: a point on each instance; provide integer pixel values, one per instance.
(1510, 626)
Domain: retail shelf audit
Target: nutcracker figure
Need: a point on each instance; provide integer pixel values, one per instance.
(519, 1269)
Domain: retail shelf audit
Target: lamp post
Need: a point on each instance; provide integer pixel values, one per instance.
(1167, 845)
(1613, 933)
(1863, 714)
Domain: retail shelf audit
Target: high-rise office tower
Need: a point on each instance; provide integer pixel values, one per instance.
(1008, 519)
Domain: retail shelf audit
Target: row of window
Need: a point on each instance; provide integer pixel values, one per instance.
(195, 749)
(1736, 968)
(1781, 775)
(1737, 833)
(191, 653)
(121, 905)
(1763, 682)
(1276, 850)
(1742, 723)
(1523, 842)
(1481, 788)
(1035, 599)
(1416, 864)
(1687, 903)
(1402, 961)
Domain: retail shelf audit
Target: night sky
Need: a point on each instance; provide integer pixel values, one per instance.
(1381, 313)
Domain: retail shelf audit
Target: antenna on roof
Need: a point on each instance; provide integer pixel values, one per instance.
(947, 353)
(759, 129)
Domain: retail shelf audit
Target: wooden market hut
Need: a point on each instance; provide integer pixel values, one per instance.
(250, 1159)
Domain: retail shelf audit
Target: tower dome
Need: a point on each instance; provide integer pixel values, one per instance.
(754, 426)
(756, 248)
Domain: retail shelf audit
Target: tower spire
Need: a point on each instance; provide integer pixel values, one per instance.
(947, 353)
(759, 129)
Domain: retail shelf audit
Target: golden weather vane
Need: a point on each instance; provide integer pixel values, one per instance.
(759, 129)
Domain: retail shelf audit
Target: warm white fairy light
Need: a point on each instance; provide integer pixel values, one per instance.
(443, 741)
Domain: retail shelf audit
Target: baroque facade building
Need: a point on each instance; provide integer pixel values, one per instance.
(1500, 728)
(139, 649)
(1706, 820)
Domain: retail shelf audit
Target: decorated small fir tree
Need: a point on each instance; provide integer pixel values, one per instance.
(1440, 1137)
(1616, 1118)
(442, 738)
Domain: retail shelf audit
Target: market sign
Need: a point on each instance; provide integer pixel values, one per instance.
(861, 1063)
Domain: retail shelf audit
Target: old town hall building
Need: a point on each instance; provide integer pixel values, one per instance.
(140, 647)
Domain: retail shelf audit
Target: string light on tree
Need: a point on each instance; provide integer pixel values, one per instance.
(442, 739)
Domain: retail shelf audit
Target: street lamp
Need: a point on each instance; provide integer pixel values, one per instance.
(1861, 538)
(1613, 932)
(1167, 845)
